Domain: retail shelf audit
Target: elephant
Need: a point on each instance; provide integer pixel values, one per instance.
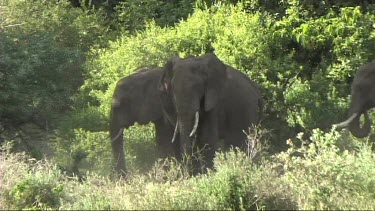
(136, 99)
(362, 99)
(210, 101)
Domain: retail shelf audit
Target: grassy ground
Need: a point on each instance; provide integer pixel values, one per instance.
(322, 174)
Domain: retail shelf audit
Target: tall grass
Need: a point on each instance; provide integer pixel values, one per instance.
(321, 174)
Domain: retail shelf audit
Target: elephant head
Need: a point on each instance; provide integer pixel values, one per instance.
(194, 85)
(362, 99)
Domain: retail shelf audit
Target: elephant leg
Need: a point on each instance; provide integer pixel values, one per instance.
(236, 127)
(118, 152)
(164, 134)
(117, 126)
(235, 138)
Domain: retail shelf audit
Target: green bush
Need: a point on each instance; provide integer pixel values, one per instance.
(322, 174)
(29, 184)
(132, 16)
(33, 194)
(43, 49)
(95, 193)
(327, 174)
(86, 151)
(89, 118)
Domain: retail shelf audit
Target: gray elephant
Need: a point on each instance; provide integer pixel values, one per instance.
(362, 99)
(136, 99)
(210, 101)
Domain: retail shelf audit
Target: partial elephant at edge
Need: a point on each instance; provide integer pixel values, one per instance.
(362, 99)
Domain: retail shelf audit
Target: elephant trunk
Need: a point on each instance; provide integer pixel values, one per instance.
(117, 143)
(355, 128)
(193, 131)
(118, 153)
(358, 107)
(186, 127)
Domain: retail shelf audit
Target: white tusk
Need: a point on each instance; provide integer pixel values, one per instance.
(195, 124)
(120, 132)
(175, 132)
(346, 122)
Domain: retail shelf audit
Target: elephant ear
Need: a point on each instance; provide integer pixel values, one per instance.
(216, 76)
(161, 84)
(165, 80)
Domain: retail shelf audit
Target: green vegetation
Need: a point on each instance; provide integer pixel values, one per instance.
(60, 60)
(320, 175)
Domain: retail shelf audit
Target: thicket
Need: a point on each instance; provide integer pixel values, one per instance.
(60, 60)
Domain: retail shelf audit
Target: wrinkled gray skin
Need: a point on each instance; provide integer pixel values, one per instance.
(362, 99)
(136, 99)
(227, 100)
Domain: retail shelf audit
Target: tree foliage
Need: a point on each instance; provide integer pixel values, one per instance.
(43, 48)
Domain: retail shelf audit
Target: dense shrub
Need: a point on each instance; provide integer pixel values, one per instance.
(133, 15)
(29, 184)
(333, 172)
(33, 194)
(43, 46)
(78, 153)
